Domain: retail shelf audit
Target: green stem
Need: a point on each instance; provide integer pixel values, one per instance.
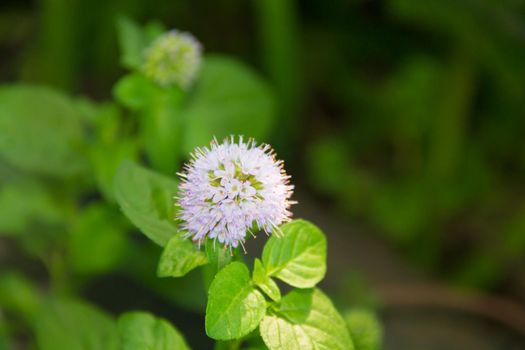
(161, 130)
(279, 36)
(58, 55)
(228, 344)
(58, 273)
(449, 129)
(218, 258)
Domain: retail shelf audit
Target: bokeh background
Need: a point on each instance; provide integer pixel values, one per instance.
(400, 121)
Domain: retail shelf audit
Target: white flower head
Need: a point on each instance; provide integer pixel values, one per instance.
(231, 189)
(174, 58)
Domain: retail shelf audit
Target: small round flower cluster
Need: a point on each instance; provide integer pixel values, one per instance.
(231, 189)
(173, 59)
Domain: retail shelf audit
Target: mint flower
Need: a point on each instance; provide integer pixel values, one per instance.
(231, 189)
(173, 59)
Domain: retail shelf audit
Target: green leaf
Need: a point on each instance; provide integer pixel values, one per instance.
(146, 198)
(40, 130)
(26, 203)
(218, 255)
(74, 325)
(235, 307)
(179, 257)
(132, 42)
(228, 99)
(261, 279)
(328, 153)
(153, 30)
(134, 91)
(97, 242)
(134, 39)
(298, 258)
(161, 129)
(108, 123)
(185, 292)
(5, 342)
(365, 329)
(143, 331)
(105, 164)
(18, 294)
(305, 320)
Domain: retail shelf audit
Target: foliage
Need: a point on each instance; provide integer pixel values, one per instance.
(423, 139)
(404, 115)
(72, 166)
(236, 301)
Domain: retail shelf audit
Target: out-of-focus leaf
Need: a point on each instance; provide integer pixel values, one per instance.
(25, 203)
(134, 39)
(146, 198)
(96, 242)
(153, 29)
(110, 146)
(365, 329)
(143, 331)
(476, 27)
(186, 292)
(18, 294)
(105, 164)
(132, 42)
(40, 130)
(229, 99)
(328, 164)
(5, 342)
(411, 98)
(134, 91)
(401, 210)
(74, 325)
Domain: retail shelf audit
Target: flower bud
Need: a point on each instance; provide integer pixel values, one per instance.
(173, 59)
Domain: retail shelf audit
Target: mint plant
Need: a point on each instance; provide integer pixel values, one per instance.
(62, 189)
(239, 301)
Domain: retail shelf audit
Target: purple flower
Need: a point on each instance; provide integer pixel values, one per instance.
(231, 189)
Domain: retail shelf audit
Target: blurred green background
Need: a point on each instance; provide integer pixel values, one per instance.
(400, 120)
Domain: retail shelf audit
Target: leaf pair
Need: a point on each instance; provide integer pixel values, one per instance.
(236, 306)
(303, 319)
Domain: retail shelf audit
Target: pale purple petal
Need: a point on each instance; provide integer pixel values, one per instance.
(229, 187)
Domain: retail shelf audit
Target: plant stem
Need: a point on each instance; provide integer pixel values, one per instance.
(228, 344)
(279, 36)
(58, 273)
(161, 130)
(449, 129)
